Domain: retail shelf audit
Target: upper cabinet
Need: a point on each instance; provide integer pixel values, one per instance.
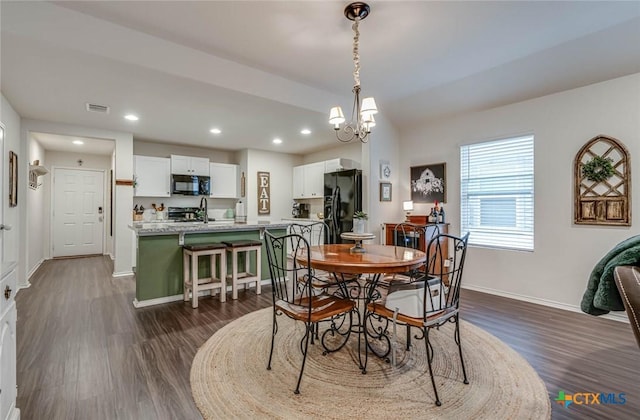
(298, 181)
(152, 176)
(189, 165)
(224, 180)
(308, 180)
(339, 164)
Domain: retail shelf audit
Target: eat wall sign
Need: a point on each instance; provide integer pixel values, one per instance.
(264, 193)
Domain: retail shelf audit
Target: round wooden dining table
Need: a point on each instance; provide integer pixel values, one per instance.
(343, 263)
(337, 258)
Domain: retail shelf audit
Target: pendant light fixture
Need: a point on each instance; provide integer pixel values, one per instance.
(362, 113)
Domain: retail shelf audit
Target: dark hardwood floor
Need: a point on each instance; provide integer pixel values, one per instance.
(84, 352)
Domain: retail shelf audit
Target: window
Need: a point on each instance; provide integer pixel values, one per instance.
(496, 193)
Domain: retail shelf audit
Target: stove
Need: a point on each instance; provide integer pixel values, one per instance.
(183, 214)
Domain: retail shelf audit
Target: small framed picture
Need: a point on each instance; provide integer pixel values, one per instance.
(385, 191)
(385, 170)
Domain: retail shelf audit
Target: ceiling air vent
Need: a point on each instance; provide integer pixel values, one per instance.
(97, 108)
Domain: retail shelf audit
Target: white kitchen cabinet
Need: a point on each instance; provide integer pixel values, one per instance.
(8, 390)
(308, 180)
(339, 164)
(224, 180)
(298, 182)
(189, 165)
(314, 180)
(152, 176)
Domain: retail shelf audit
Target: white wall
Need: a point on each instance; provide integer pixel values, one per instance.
(37, 216)
(150, 148)
(383, 145)
(558, 269)
(14, 248)
(280, 166)
(351, 151)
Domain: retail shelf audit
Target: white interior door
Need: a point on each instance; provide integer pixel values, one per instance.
(78, 212)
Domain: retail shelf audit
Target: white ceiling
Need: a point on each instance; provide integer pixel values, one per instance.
(261, 69)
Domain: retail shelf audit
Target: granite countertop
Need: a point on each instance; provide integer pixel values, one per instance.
(168, 228)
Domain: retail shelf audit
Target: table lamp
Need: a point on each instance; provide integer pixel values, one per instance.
(408, 207)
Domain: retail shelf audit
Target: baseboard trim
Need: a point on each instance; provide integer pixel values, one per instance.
(14, 414)
(122, 274)
(23, 286)
(157, 301)
(174, 298)
(543, 302)
(34, 269)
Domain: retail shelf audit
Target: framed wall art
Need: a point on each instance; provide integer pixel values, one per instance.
(264, 193)
(385, 170)
(385, 191)
(428, 183)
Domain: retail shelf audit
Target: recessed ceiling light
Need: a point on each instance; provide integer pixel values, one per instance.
(215, 131)
(77, 142)
(131, 117)
(305, 131)
(277, 141)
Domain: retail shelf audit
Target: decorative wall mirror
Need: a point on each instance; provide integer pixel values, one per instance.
(602, 188)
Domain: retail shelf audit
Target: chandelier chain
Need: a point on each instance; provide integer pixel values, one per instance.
(361, 122)
(356, 52)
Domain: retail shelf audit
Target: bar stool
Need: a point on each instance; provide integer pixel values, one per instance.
(244, 247)
(191, 282)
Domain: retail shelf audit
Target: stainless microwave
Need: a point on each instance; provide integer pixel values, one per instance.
(190, 185)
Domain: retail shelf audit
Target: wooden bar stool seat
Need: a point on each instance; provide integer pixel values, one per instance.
(192, 283)
(244, 247)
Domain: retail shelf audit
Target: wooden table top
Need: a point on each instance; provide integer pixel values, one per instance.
(337, 258)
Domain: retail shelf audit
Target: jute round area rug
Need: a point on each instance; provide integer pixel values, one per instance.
(229, 378)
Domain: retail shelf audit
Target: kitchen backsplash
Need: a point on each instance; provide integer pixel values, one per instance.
(218, 207)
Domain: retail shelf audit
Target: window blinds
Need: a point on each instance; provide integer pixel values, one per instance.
(496, 193)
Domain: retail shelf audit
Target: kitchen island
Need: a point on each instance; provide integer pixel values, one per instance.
(159, 254)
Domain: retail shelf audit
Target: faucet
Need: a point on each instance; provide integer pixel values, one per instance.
(205, 208)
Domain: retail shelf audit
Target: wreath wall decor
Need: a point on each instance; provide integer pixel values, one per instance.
(598, 169)
(602, 187)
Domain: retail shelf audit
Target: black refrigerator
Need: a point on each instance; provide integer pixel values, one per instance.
(342, 197)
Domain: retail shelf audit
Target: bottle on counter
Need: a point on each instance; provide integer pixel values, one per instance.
(436, 215)
(441, 218)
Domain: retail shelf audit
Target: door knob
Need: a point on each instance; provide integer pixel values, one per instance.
(7, 292)
(5, 227)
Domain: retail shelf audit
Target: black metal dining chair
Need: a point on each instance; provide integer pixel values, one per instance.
(427, 303)
(293, 294)
(410, 235)
(316, 233)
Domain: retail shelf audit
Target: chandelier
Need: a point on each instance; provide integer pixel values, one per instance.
(362, 119)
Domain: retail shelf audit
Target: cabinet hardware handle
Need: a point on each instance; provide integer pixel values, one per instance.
(7, 292)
